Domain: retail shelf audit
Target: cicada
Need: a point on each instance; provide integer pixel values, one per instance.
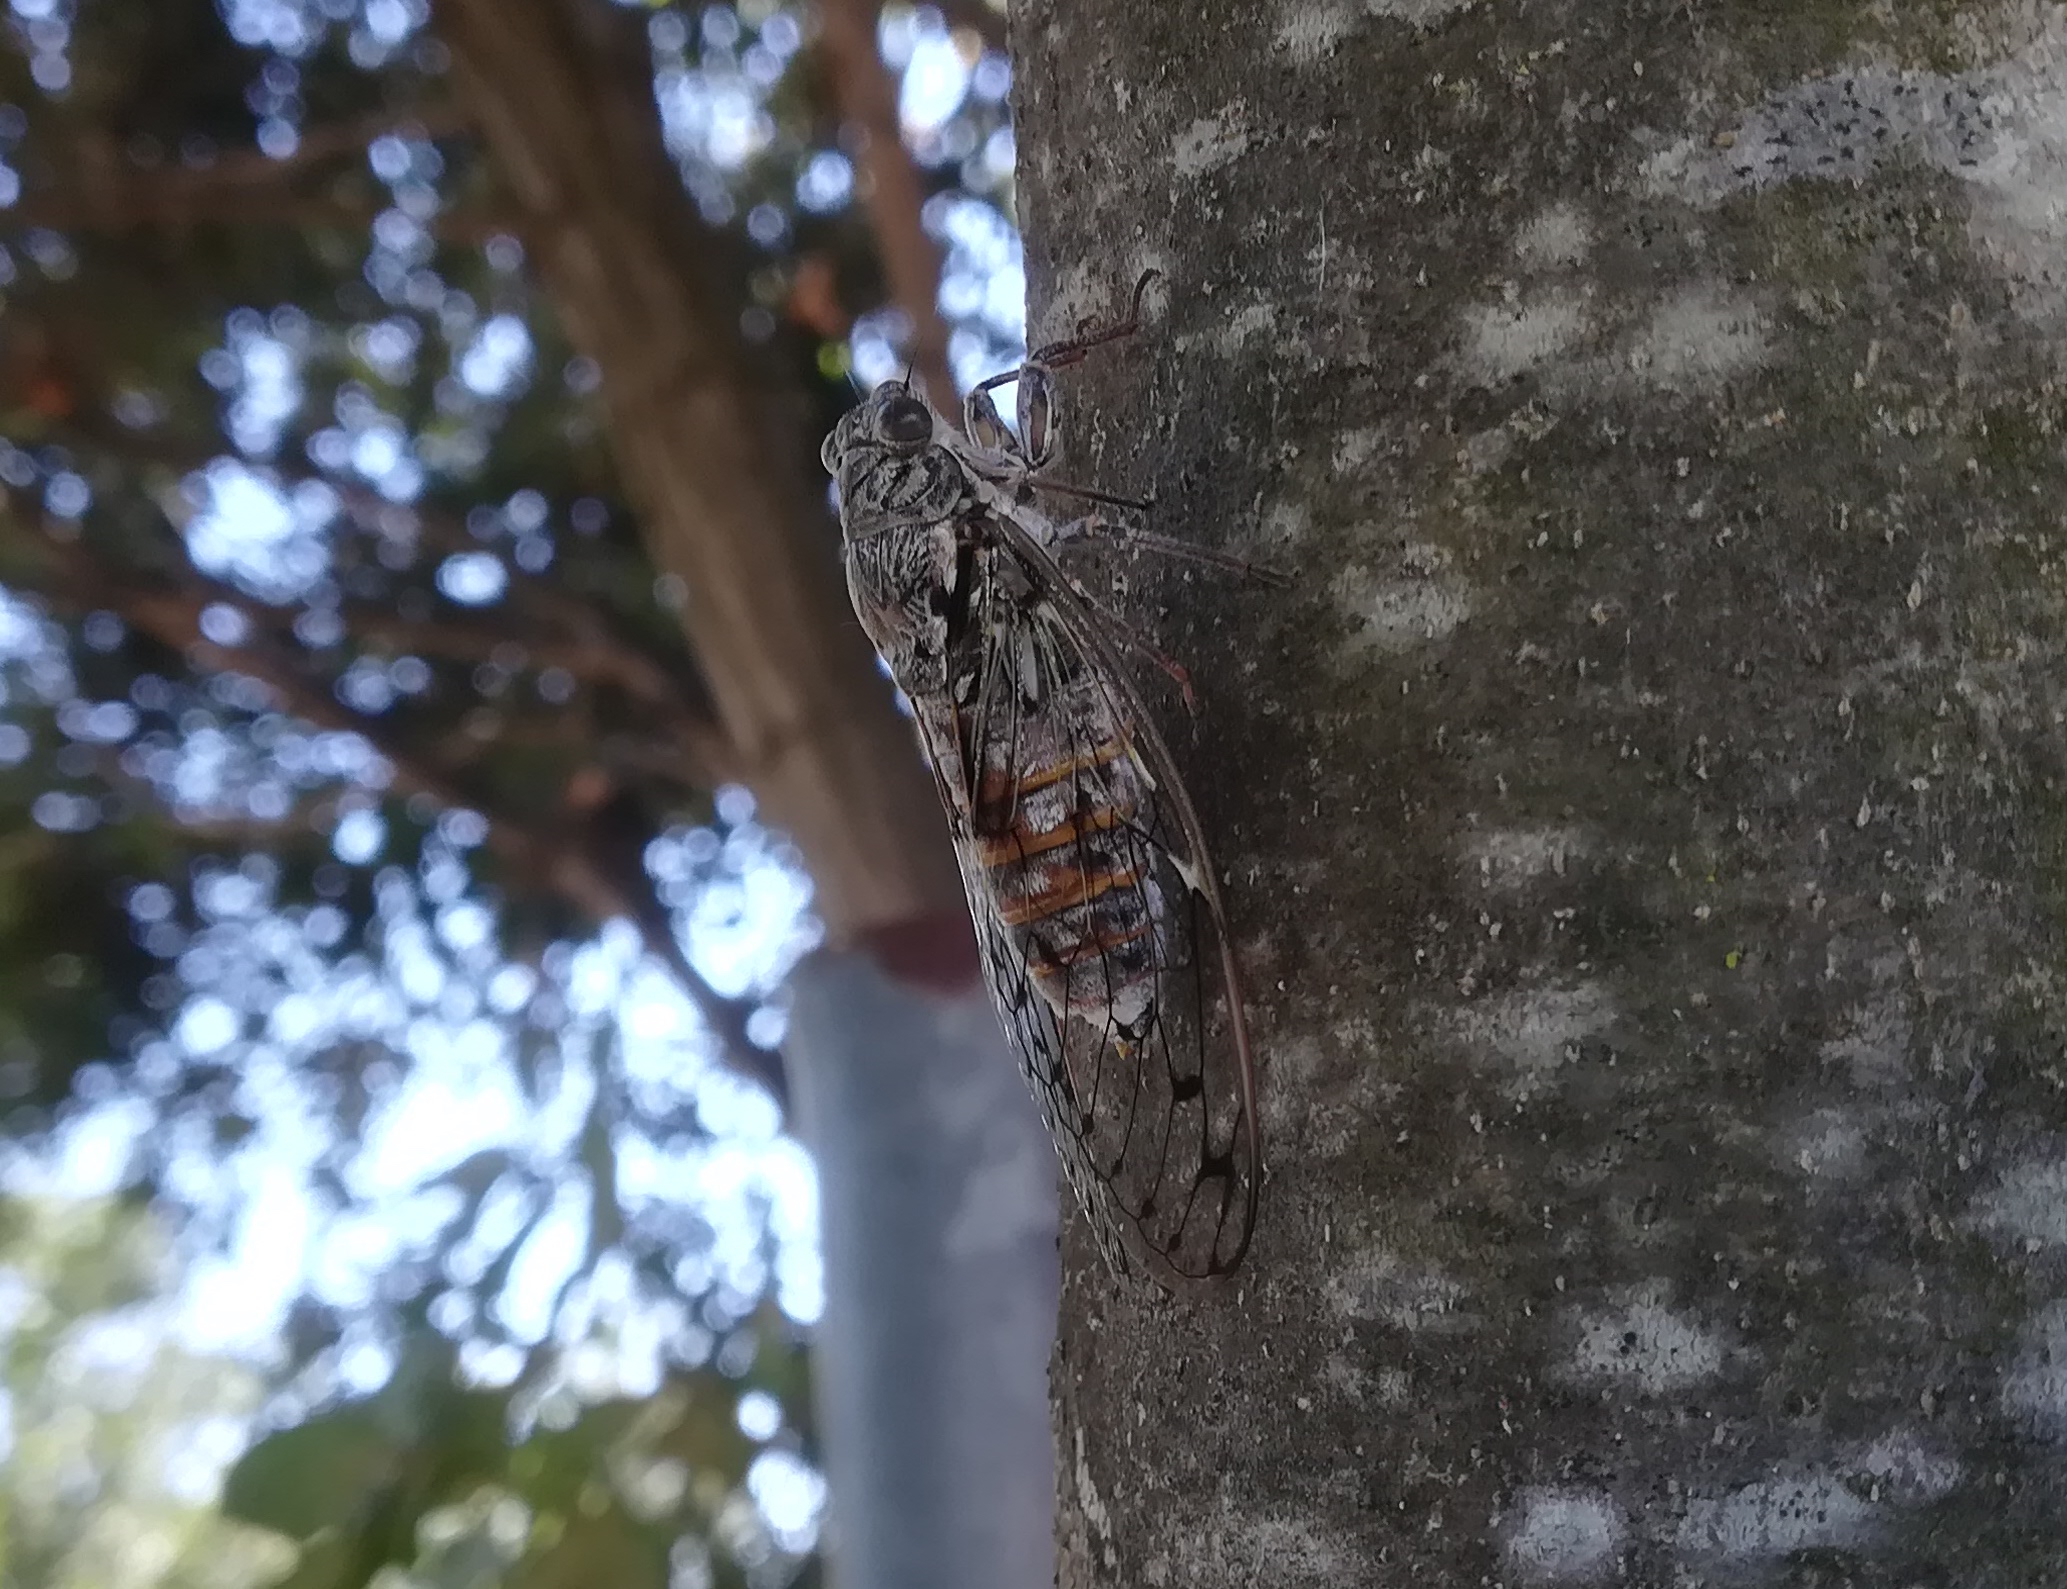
(1098, 913)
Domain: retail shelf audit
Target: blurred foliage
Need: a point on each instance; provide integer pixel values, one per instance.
(109, 1415)
(475, 1488)
(338, 702)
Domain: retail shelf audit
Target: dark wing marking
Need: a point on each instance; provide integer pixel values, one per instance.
(1148, 1084)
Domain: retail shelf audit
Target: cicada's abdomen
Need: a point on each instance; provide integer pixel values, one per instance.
(1059, 833)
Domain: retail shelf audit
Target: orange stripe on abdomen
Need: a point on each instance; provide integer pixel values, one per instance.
(1001, 786)
(1065, 874)
(1064, 889)
(1027, 840)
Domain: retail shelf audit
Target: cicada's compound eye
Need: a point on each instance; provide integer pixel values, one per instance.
(906, 422)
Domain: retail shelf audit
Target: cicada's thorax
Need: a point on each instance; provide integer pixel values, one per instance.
(1056, 835)
(898, 512)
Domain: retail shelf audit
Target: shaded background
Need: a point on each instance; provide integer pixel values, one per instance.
(395, 1163)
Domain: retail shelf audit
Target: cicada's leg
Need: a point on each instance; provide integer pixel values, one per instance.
(1096, 527)
(1063, 488)
(1039, 433)
(1034, 446)
(1060, 355)
(1134, 640)
(1038, 425)
(982, 424)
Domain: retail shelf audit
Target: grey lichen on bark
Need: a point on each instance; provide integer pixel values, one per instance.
(1643, 817)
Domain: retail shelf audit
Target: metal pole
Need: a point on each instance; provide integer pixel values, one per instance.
(937, 1183)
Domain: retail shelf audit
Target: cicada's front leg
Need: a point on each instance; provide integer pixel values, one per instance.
(1039, 433)
(1034, 446)
(984, 426)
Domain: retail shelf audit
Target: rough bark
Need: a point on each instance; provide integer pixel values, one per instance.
(729, 492)
(1643, 819)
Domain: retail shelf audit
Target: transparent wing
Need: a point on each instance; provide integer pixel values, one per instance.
(1102, 935)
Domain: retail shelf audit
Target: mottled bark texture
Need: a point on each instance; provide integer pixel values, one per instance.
(1644, 819)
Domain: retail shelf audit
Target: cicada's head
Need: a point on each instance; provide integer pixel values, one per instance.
(886, 459)
(892, 417)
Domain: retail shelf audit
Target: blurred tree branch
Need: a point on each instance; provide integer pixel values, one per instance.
(107, 190)
(867, 95)
(699, 756)
(716, 461)
(566, 861)
(138, 207)
(581, 641)
(587, 639)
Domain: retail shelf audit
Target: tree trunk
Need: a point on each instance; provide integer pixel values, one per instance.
(731, 496)
(1642, 817)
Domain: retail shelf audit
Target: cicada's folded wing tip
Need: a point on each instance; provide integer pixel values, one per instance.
(1137, 1261)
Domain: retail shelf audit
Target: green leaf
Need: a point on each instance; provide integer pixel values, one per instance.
(328, 1562)
(597, 1549)
(316, 1475)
